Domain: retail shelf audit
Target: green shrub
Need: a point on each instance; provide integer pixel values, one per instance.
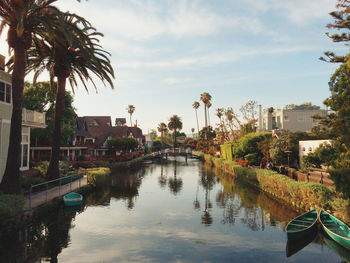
(97, 176)
(11, 205)
(300, 194)
(31, 181)
(341, 179)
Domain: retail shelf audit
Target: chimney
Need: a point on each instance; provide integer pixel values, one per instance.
(260, 118)
(2, 62)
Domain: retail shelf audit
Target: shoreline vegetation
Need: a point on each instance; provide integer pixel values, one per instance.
(301, 195)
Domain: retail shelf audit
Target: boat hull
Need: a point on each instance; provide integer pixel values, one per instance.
(72, 199)
(335, 229)
(302, 226)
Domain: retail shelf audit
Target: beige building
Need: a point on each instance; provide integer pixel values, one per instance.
(30, 119)
(290, 119)
(309, 146)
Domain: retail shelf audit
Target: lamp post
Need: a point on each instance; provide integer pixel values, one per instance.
(288, 154)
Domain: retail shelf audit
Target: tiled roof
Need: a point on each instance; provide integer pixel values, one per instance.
(100, 128)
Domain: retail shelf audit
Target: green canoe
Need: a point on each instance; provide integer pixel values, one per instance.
(302, 226)
(72, 199)
(335, 229)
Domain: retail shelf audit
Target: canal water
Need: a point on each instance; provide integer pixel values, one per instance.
(177, 212)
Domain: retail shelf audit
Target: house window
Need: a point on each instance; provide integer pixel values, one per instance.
(300, 118)
(286, 118)
(24, 151)
(5, 92)
(303, 149)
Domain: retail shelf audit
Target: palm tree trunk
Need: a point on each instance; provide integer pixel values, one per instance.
(53, 170)
(208, 117)
(206, 121)
(10, 183)
(197, 121)
(174, 139)
(130, 120)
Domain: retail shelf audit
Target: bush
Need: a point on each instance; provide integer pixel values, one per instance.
(26, 183)
(97, 176)
(11, 205)
(341, 179)
(300, 194)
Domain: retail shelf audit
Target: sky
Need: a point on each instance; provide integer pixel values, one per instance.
(166, 53)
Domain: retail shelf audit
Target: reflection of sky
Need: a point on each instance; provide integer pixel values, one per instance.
(163, 227)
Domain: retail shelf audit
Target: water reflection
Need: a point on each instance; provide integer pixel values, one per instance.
(175, 183)
(164, 213)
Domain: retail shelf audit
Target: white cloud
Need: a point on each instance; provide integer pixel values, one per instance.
(140, 21)
(213, 58)
(299, 12)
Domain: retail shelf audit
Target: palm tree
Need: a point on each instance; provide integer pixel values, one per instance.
(208, 106)
(79, 57)
(205, 98)
(131, 110)
(196, 105)
(192, 130)
(162, 128)
(174, 124)
(26, 20)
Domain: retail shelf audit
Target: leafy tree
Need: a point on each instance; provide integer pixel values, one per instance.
(162, 128)
(41, 97)
(77, 59)
(325, 155)
(175, 124)
(279, 147)
(122, 144)
(26, 20)
(131, 110)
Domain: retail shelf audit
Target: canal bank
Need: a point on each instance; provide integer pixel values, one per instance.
(301, 195)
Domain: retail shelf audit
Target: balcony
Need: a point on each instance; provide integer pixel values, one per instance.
(33, 118)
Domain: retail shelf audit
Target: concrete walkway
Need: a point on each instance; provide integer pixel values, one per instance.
(46, 196)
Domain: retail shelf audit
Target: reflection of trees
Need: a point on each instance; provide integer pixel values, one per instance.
(230, 204)
(57, 229)
(44, 237)
(175, 183)
(207, 180)
(162, 180)
(125, 187)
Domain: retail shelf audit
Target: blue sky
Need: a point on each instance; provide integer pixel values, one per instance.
(166, 53)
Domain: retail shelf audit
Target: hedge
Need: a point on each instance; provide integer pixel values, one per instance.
(302, 195)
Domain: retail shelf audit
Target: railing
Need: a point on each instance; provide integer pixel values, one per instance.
(33, 117)
(60, 181)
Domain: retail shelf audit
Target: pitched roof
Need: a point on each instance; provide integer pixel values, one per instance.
(100, 128)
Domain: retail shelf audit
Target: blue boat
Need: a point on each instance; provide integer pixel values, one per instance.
(72, 199)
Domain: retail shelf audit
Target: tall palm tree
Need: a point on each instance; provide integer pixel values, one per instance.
(208, 106)
(205, 98)
(25, 20)
(162, 128)
(75, 58)
(196, 105)
(131, 110)
(174, 124)
(192, 130)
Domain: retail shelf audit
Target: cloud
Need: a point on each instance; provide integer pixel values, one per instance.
(299, 12)
(184, 18)
(214, 58)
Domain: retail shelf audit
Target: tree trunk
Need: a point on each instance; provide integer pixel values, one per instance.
(130, 121)
(53, 170)
(174, 139)
(206, 121)
(197, 122)
(10, 183)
